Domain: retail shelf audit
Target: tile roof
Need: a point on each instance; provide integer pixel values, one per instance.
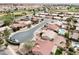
(43, 47)
(49, 34)
(53, 26)
(58, 41)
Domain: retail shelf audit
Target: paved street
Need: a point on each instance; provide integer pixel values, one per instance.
(26, 35)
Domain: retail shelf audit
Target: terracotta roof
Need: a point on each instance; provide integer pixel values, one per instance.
(21, 24)
(25, 22)
(53, 26)
(17, 25)
(43, 47)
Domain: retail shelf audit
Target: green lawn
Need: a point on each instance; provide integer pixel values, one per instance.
(16, 14)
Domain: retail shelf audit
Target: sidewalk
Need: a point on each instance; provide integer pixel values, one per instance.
(12, 50)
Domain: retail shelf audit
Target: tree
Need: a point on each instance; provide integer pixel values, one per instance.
(24, 13)
(34, 12)
(15, 9)
(7, 22)
(6, 33)
(29, 45)
(1, 41)
(38, 9)
(71, 27)
(44, 9)
(8, 18)
(25, 48)
(58, 51)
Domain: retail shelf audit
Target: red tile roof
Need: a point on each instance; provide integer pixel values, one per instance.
(21, 24)
(43, 47)
(53, 26)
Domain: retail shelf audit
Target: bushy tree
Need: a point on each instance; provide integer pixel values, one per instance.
(6, 33)
(71, 27)
(34, 12)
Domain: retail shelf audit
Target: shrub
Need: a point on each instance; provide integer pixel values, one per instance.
(58, 51)
(1, 41)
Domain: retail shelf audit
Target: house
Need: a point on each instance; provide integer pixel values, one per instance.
(56, 17)
(44, 47)
(49, 16)
(64, 26)
(20, 24)
(28, 23)
(64, 18)
(61, 15)
(34, 19)
(75, 35)
(59, 23)
(49, 35)
(17, 25)
(75, 45)
(54, 14)
(77, 24)
(77, 28)
(76, 16)
(64, 22)
(43, 14)
(60, 41)
(78, 20)
(4, 28)
(53, 26)
(25, 22)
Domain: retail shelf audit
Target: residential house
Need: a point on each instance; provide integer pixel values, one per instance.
(49, 16)
(25, 22)
(77, 28)
(44, 47)
(59, 23)
(77, 24)
(20, 24)
(60, 41)
(34, 19)
(56, 17)
(43, 14)
(49, 35)
(78, 20)
(52, 26)
(4, 28)
(75, 36)
(75, 45)
(64, 26)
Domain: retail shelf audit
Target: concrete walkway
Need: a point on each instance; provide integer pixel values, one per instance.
(11, 50)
